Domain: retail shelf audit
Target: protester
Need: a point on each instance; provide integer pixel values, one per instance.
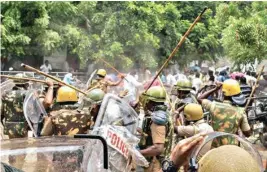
(204, 77)
(147, 74)
(250, 79)
(68, 79)
(262, 85)
(222, 76)
(46, 67)
(163, 77)
(170, 79)
(180, 76)
(155, 83)
(191, 75)
(197, 83)
(245, 88)
(131, 85)
(211, 74)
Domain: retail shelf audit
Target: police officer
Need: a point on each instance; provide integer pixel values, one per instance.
(184, 94)
(12, 116)
(196, 124)
(65, 118)
(93, 100)
(157, 126)
(101, 83)
(224, 116)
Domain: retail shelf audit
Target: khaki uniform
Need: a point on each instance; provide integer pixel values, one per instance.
(190, 98)
(198, 127)
(15, 124)
(101, 84)
(157, 134)
(66, 122)
(226, 118)
(193, 129)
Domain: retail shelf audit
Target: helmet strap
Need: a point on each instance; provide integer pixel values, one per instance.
(193, 166)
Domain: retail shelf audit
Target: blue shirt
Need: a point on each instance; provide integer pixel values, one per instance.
(68, 79)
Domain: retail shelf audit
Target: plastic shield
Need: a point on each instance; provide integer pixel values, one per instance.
(34, 111)
(122, 152)
(88, 83)
(115, 111)
(199, 151)
(117, 123)
(6, 87)
(36, 86)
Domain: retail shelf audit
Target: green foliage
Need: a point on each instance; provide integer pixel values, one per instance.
(135, 33)
(244, 33)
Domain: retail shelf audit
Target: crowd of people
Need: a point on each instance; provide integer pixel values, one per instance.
(173, 106)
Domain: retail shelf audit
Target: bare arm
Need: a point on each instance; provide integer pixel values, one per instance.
(153, 150)
(49, 95)
(245, 127)
(207, 94)
(158, 136)
(115, 83)
(182, 151)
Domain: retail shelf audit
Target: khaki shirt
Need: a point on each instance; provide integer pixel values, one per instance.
(158, 136)
(225, 112)
(158, 133)
(198, 127)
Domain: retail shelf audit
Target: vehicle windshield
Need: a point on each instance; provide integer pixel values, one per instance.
(61, 154)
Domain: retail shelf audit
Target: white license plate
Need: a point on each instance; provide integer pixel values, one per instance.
(258, 126)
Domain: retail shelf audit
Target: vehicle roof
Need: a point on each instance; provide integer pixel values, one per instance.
(55, 141)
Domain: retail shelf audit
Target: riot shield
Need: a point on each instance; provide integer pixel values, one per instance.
(36, 86)
(6, 87)
(199, 151)
(88, 83)
(34, 111)
(117, 122)
(115, 111)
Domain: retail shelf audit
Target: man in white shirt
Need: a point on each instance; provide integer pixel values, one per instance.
(180, 76)
(170, 79)
(46, 68)
(250, 79)
(131, 84)
(196, 83)
(147, 74)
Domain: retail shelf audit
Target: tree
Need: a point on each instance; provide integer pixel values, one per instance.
(244, 34)
(134, 33)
